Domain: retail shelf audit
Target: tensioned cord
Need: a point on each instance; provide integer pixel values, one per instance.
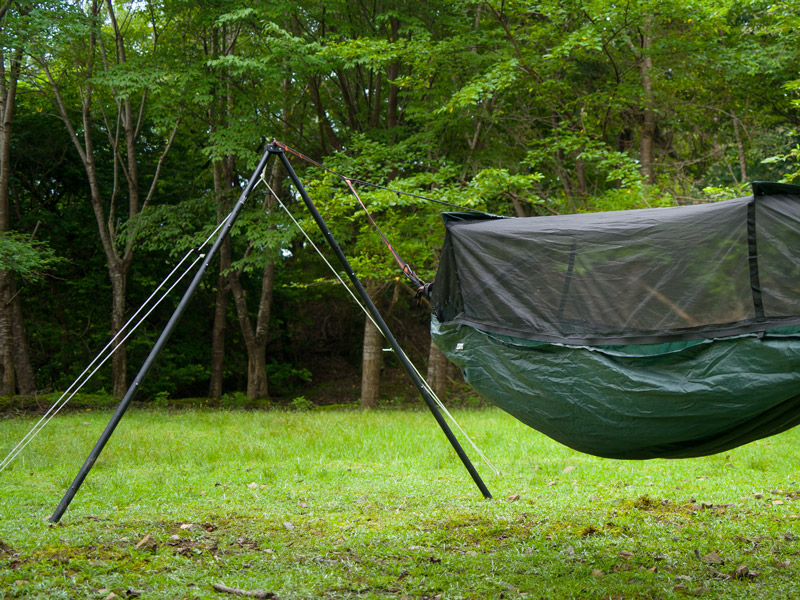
(355, 298)
(108, 350)
(419, 285)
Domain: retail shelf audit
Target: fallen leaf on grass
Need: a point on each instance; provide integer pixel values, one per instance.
(5, 548)
(252, 485)
(743, 572)
(626, 555)
(513, 498)
(784, 564)
(691, 592)
(712, 558)
(288, 525)
(568, 469)
(237, 592)
(148, 542)
(597, 573)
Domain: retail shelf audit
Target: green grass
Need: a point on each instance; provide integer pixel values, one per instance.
(346, 504)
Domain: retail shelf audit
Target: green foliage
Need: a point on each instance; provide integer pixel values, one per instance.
(301, 403)
(287, 376)
(234, 400)
(790, 161)
(511, 107)
(30, 259)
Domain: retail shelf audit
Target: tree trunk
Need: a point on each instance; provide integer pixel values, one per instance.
(740, 149)
(26, 379)
(119, 362)
(437, 371)
(7, 380)
(372, 348)
(392, 111)
(8, 91)
(218, 337)
(256, 337)
(327, 135)
(371, 364)
(223, 182)
(257, 387)
(648, 113)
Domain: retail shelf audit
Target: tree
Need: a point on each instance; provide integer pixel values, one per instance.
(17, 254)
(117, 89)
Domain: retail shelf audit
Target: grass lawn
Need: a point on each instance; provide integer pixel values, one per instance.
(345, 504)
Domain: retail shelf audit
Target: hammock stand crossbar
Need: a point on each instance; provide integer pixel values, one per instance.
(278, 150)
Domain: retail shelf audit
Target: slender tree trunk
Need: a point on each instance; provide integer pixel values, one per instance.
(221, 183)
(645, 64)
(119, 363)
(23, 368)
(8, 89)
(218, 336)
(372, 349)
(327, 135)
(437, 371)
(256, 337)
(8, 384)
(392, 111)
(740, 148)
(371, 364)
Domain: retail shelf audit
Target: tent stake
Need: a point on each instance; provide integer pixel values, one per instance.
(373, 310)
(160, 342)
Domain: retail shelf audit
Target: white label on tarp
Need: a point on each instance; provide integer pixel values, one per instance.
(460, 346)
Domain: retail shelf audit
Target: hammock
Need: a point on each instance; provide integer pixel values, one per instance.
(666, 332)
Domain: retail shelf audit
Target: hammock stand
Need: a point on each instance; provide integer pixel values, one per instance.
(654, 333)
(278, 150)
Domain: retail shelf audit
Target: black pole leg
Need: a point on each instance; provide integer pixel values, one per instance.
(373, 310)
(157, 347)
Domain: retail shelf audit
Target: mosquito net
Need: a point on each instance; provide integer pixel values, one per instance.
(633, 334)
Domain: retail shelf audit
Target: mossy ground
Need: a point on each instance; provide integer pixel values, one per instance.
(350, 504)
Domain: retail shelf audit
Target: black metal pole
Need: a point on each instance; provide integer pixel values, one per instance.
(373, 310)
(160, 342)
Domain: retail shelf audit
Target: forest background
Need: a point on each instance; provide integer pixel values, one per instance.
(129, 129)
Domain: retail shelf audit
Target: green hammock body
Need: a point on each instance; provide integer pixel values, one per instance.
(625, 335)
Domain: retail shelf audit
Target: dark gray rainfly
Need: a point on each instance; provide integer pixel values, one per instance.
(664, 332)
